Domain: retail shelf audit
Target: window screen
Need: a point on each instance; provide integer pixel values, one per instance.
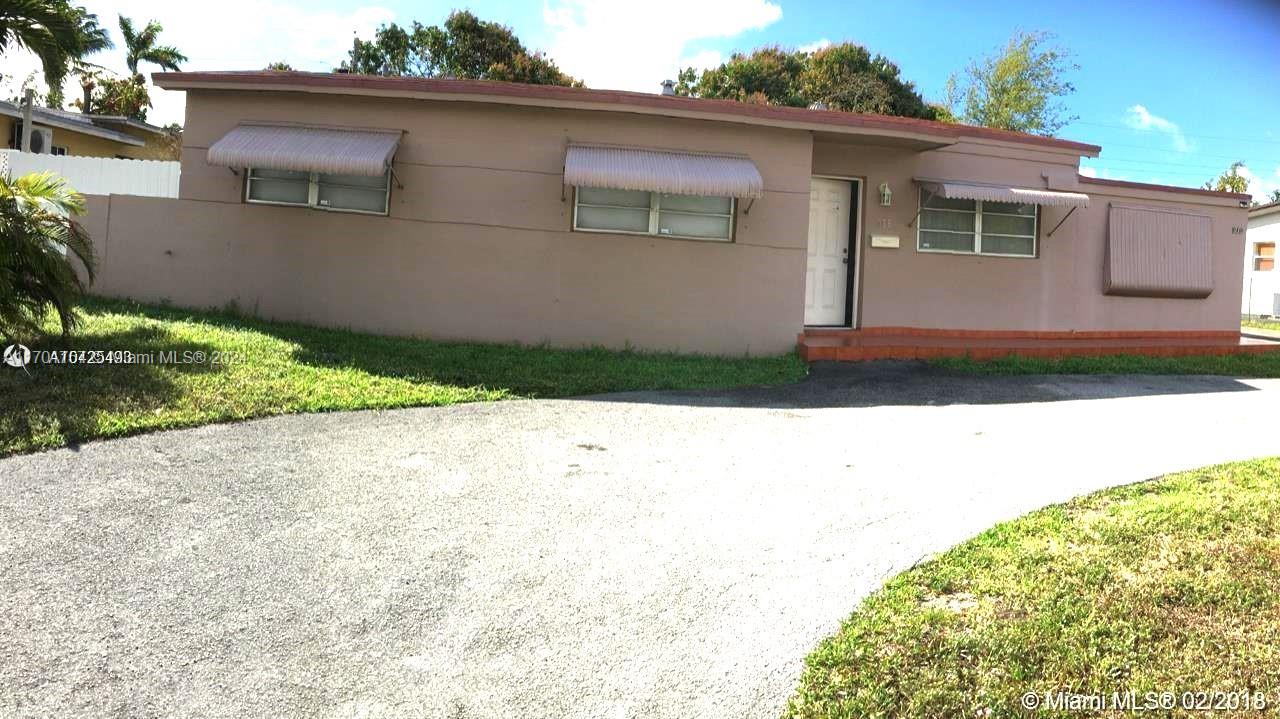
(686, 216)
(344, 193)
(281, 186)
(352, 192)
(976, 226)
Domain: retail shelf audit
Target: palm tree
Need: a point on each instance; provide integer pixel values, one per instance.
(38, 235)
(59, 34)
(141, 46)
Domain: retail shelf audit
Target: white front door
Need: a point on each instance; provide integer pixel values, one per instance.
(827, 278)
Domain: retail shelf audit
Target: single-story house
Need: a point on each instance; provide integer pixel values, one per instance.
(490, 211)
(62, 132)
(1261, 280)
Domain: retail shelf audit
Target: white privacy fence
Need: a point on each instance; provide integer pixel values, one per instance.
(99, 175)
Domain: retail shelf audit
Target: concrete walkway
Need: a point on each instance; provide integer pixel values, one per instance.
(647, 555)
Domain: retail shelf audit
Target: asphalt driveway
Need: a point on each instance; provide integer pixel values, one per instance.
(666, 554)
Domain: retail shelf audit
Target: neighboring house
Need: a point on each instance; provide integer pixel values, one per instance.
(503, 212)
(1261, 280)
(62, 132)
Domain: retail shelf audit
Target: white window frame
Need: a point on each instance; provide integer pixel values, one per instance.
(1257, 256)
(313, 196)
(655, 207)
(977, 212)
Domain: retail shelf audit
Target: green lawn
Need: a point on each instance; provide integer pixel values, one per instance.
(1265, 364)
(1168, 585)
(1260, 324)
(275, 368)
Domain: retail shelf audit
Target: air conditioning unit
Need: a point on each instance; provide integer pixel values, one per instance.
(41, 139)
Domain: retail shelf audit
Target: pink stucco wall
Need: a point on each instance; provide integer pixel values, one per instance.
(1061, 289)
(478, 243)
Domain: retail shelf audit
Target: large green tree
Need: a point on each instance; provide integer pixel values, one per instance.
(843, 77)
(1019, 88)
(59, 34)
(124, 96)
(464, 47)
(38, 236)
(143, 46)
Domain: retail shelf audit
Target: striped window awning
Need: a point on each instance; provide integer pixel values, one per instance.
(954, 190)
(670, 171)
(307, 149)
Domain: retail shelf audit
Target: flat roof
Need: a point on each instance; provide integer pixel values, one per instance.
(1267, 209)
(1243, 197)
(938, 133)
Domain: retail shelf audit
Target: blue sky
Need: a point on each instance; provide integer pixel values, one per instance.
(1173, 91)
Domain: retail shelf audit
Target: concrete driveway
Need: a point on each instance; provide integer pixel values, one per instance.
(667, 554)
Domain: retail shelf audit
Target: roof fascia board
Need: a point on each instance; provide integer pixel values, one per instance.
(576, 105)
(1187, 194)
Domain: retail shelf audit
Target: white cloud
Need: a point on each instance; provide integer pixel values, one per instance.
(635, 46)
(1102, 173)
(815, 45)
(1139, 118)
(229, 35)
(1261, 186)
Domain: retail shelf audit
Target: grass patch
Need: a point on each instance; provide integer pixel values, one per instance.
(1168, 585)
(276, 368)
(1261, 365)
(1259, 323)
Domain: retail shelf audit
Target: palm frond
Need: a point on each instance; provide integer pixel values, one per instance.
(56, 32)
(140, 46)
(147, 38)
(126, 31)
(166, 56)
(39, 236)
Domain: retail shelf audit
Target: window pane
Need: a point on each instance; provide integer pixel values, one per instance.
(291, 191)
(958, 221)
(377, 181)
(1009, 208)
(943, 203)
(350, 198)
(997, 245)
(945, 241)
(1265, 249)
(279, 174)
(1264, 264)
(1005, 225)
(697, 203)
(603, 196)
(612, 218)
(710, 226)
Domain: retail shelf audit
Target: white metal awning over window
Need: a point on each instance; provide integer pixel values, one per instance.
(953, 190)
(673, 172)
(307, 149)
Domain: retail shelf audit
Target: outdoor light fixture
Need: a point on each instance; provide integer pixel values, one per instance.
(886, 195)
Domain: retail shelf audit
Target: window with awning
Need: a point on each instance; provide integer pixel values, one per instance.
(323, 168)
(658, 192)
(956, 190)
(974, 218)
